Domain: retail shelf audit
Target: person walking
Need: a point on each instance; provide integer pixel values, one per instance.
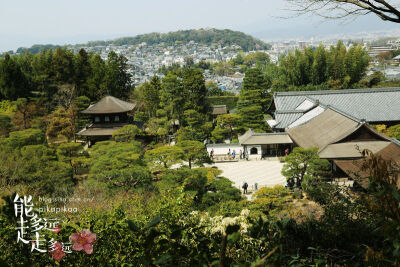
(234, 154)
(240, 154)
(245, 186)
(212, 153)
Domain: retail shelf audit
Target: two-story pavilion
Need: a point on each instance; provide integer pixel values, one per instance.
(107, 116)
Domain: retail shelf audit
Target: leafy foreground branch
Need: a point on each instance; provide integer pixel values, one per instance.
(182, 224)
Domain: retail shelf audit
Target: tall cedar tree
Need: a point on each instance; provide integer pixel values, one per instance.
(194, 85)
(254, 99)
(173, 96)
(82, 72)
(118, 81)
(13, 83)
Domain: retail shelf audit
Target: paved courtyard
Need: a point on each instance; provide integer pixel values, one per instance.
(262, 172)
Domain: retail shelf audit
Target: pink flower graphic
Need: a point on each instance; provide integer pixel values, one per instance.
(83, 241)
(57, 251)
(57, 229)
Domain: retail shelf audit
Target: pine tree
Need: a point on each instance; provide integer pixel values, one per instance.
(254, 100)
(194, 84)
(13, 83)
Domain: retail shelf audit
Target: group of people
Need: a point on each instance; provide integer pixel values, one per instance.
(233, 154)
(230, 154)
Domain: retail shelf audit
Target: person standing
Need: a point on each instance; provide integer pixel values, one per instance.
(212, 153)
(234, 154)
(240, 154)
(245, 186)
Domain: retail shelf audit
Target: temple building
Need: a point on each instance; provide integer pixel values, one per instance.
(373, 105)
(107, 116)
(341, 139)
(263, 145)
(256, 145)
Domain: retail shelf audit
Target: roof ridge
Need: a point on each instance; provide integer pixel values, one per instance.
(324, 107)
(273, 133)
(345, 114)
(338, 91)
(397, 142)
(288, 111)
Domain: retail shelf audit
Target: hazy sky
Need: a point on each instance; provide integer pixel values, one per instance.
(27, 22)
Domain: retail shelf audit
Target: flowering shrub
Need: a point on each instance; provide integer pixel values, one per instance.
(83, 241)
(57, 251)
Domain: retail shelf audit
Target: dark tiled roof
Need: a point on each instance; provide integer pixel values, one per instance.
(352, 167)
(108, 105)
(252, 138)
(106, 129)
(373, 105)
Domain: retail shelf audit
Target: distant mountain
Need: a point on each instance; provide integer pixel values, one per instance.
(202, 36)
(37, 48)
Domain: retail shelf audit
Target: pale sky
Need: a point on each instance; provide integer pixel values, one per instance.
(28, 22)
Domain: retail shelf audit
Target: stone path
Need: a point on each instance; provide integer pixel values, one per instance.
(262, 172)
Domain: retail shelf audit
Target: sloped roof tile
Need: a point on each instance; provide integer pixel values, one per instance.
(109, 105)
(373, 104)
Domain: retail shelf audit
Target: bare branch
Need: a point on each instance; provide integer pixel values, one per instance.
(337, 9)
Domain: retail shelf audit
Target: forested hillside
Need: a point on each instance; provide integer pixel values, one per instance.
(203, 36)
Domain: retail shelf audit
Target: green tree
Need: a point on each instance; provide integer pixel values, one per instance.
(194, 152)
(302, 163)
(257, 59)
(159, 125)
(60, 123)
(220, 190)
(13, 82)
(80, 103)
(43, 173)
(231, 122)
(149, 96)
(118, 165)
(319, 66)
(26, 137)
(82, 69)
(117, 79)
(62, 65)
(5, 125)
(254, 99)
(165, 156)
(126, 134)
(219, 134)
(44, 74)
(193, 118)
(96, 80)
(394, 131)
(70, 153)
(173, 97)
(194, 84)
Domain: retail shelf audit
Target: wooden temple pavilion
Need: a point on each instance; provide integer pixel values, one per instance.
(107, 116)
(341, 138)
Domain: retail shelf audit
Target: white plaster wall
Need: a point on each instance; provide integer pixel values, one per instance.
(223, 150)
(254, 156)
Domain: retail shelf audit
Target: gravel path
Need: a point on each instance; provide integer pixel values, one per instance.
(262, 172)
